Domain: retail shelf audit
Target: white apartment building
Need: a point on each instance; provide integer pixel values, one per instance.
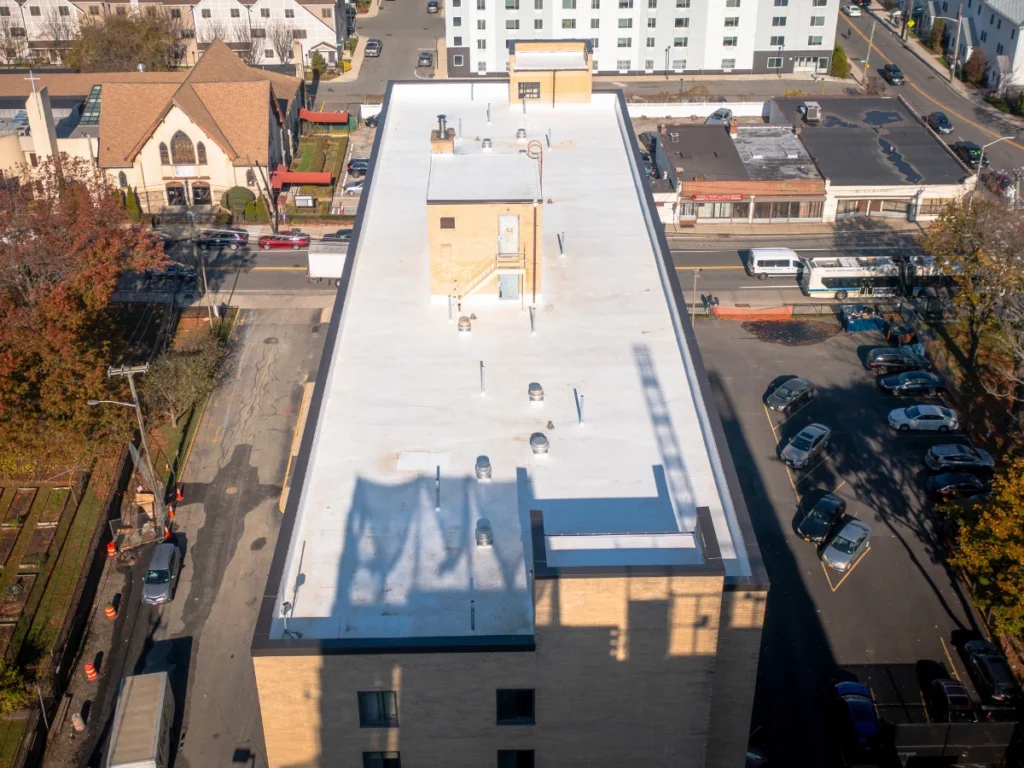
(996, 26)
(649, 36)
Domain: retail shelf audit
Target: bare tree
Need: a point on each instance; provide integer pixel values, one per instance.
(60, 30)
(179, 47)
(12, 47)
(282, 39)
(250, 49)
(212, 29)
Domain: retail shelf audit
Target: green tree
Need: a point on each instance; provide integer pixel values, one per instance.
(120, 43)
(183, 376)
(936, 35)
(990, 548)
(14, 690)
(237, 200)
(840, 64)
(974, 69)
(317, 64)
(261, 214)
(131, 202)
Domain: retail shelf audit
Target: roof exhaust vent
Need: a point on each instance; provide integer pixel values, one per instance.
(483, 468)
(442, 131)
(486, 144)
(484, 533)
(521, 134)
(539, 443)
(536, 392)
(464, 325)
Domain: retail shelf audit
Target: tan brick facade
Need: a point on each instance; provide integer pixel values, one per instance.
(567, 86)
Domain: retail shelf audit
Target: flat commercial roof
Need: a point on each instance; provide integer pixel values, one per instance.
(478, 175)
(550, 60)
(381, 552)
(704, 153)
(872, 142)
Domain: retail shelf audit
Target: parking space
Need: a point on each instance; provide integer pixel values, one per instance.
(897, 604)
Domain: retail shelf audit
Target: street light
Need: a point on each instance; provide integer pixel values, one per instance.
(693, 305)
(981, 160)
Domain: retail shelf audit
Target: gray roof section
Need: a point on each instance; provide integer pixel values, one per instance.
(1011, 9)
(774, 153)
(873, 142)
(704, 152)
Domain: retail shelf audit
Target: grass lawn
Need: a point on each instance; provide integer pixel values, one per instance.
(336, 147)
(11, 734)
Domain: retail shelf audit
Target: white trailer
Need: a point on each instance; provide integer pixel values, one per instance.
(140, 737)
(327, 259)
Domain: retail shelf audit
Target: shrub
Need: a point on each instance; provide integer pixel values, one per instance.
(937, 35)
(261, 214)
(131, 202)
(317, 64)
(223, 218)
(840, 64)
(974, 69)
(250, 210)
(237, 199)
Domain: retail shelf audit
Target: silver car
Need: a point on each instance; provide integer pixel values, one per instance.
(790, 394)
(847, 544)
(162, 574)
(721, 116)
(805, 445)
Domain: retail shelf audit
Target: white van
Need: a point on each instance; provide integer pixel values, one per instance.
(773, 262)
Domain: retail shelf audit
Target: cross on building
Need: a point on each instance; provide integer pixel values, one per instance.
(32, 79)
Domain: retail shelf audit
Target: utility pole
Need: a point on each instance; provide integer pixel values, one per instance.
(201, 263)
(956, 43)
(867, 59)
(693, 305)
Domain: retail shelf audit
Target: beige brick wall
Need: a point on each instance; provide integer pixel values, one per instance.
(563, 87)
(457, 254)
(622, 672)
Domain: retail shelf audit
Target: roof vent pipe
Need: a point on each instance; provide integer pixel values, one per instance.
(442, 131)
(483, 468)
(521, 134)
(486, 144)
(464, 325)
(536, 392)
(539, 443)
(484, 532)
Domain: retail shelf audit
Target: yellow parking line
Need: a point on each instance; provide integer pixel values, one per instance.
(848, 572)
(946, 109)
(949, 658)
(770, 422)
(839, 486)
(809, 471)
(785, 466)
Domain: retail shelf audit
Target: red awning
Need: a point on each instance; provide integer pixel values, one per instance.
(282, 176)
(323, 117)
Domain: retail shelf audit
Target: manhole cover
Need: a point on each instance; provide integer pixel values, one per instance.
(792, 333)
(271, 340)
(315, 329)
(231, 490)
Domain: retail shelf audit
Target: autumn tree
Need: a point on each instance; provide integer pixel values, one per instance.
(977, 243)
(976, 66)
(183, 376)
(15, 693)
(990, 548)
(936, 35)
(120, 43)
(66, 242)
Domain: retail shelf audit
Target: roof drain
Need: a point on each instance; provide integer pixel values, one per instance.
(536, 392)
(486, 144)
(539, 443)
(483, 468)
(521, 134)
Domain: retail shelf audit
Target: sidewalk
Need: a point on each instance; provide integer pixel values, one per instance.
(846, 227)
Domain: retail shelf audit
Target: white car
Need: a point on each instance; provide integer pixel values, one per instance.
(852, 10)
(354, 187)
(931, 418)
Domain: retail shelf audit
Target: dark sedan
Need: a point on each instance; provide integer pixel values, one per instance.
(172, 270)
(895, 360)
(893, 74)
(951, 703)
(856, 719)
(955, 485)
(991, 673)
(819, 513)
(939, 123)
(971, 154)
(959, 457)
(790, 394)
(913, 383)
(341, 236)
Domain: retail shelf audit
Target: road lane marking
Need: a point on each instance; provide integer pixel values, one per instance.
(256, 269)
(768, 288)
(981, 128)
(770, 422)
(952, 666)
(725, 266)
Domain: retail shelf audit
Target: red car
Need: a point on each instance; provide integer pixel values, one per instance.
(293, 239)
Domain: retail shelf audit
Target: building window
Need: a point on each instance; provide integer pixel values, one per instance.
(94, 10)
(457, 21)
(649, 64)
(823, 64)
(728, 63)
(481, 66)
(819, 3)
(289, 13)
(33, 10)
(258, 32)
(778, 40)
(814, 40)
(298, 34)
(652, 3)
(682, 3)
(999, 23)
(236, 12)
(817, 21)
(516, 705)
(682, 23)
(18, 32)
(999, 49)
(730, 42)
(625, 3)
(182, 151)
(201, 153)
(250, 179)
(381, 760)
(625, 23)
(732, 21)
(4, 10)
(569, 5)
(568, 23)
(511, 23)
(175, 194)
(175, 13)
(481, 5)
(775, 62)
(456, 3)
(984, 36)
(326, 13)
(121, 10)
(205, 13)
(778, 21)
(622, 65)
(165, 158)
(457, 60)
(265, 13)
(678, 64)
(625, 42)
(515, 758)
(538, 23)
(652, 23)
(379, 709)
(480, 24)
(593, 43)
(481, 45)
(650, 42)
(122, 180)
(680, 42)
(732, 3)
(511, 5)
(526, 91)
(595, 23)
(934, 207)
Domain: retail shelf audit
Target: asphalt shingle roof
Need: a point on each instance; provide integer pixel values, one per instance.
(1011, 9)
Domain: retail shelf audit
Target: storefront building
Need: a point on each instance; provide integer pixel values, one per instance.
(752, 202)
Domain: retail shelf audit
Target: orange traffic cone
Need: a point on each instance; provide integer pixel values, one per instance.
(90, 671)
(111, 549)
(110, 611)
(167, 532)
(178, 495)
(170, 511)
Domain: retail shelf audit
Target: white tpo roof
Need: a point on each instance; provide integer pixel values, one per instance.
(550, 60)
(373, 555)
(478, 175)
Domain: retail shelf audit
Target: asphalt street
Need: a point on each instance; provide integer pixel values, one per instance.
(928, 91)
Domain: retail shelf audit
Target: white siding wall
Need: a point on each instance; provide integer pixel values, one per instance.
(309, 19)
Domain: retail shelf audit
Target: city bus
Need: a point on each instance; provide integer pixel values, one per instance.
(841, 277)
(922, 276)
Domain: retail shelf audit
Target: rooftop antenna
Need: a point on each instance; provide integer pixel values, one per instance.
(437, 490)
(482, 390)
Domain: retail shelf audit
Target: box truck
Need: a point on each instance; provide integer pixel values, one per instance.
(141, 735)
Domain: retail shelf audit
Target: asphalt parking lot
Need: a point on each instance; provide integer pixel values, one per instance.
(899, 605)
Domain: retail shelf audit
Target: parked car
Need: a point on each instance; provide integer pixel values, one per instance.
(971, 154)
(805, 445)
(223, 238)
(951, 703)
(893, 75)
(372, 120)
(354, 187)
(790, 394)
(924, 418)
(856, 720)
(293, 239)
(913, 383)
(162, 574)
(341, 236)
(172, 270)
(851, 10)
(373, 48)
(648, 139)
(959, 457)
(426, 59)
(939, 123)
(847, 543)
(896, 360)
(358, 166)
(721, 116)
(432, 6)
(955, 485)
(819, 512)
(990, 672)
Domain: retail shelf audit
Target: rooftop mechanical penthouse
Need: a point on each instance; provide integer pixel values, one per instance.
(515, 536)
